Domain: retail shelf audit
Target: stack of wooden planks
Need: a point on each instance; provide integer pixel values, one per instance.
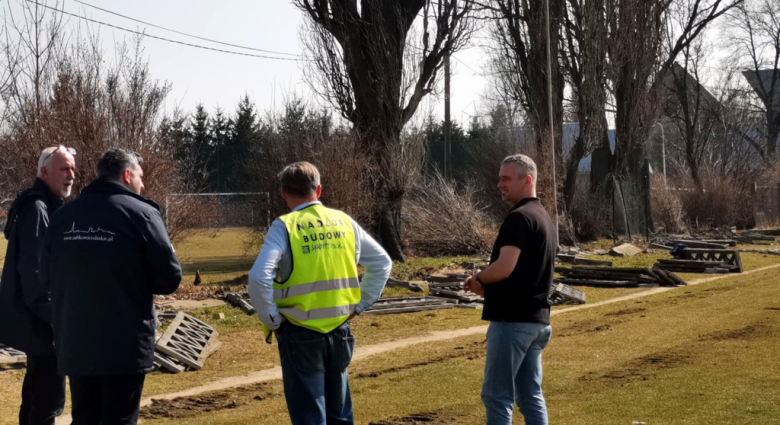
(396, 305)
(616, 277)
(694, 266)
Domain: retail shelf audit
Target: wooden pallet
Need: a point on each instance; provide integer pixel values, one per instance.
(188, 340)
(728, 256)
(562, 294)
(10, 355)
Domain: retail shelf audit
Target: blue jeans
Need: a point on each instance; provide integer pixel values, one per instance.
(513, 372)
(314, 372)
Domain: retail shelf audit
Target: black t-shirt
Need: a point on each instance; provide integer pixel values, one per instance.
(522, 297)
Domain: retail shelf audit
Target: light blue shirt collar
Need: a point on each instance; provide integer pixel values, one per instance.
(302, 206)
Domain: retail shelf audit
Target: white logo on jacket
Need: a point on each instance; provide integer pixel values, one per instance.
(90, 234)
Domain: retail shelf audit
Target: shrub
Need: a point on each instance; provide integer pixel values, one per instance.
(667, 207)
(439, 220)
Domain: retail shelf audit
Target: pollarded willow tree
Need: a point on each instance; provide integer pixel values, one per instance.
(375, 61)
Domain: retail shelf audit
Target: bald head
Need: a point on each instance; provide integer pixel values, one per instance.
(57, 168)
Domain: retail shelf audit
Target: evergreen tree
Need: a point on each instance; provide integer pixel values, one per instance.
(221, 129)
(202, 145)
(245, 140)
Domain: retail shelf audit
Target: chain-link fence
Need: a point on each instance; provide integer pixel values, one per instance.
(766, 204)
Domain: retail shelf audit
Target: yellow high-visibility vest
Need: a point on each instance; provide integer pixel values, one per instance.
(323, 288)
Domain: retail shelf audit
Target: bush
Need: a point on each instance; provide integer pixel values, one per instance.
(719, 202)
(591, 217)
(667, 207)
(440, 221)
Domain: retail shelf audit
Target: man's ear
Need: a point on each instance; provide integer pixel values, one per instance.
(126, 176)
(284, 194)
(529, 179)
(319, 191)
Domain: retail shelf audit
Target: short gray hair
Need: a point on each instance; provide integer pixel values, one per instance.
(44, 155)
(300, 178)
(525, 165)
(115, 161)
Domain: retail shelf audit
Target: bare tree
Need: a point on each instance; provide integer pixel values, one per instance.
(370, 60)
(585, 62)
(519, 66)
(695, 112)
(644, 41)
(753, 34)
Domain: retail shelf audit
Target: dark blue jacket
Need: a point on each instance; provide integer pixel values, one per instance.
(104, 256)
(25, 309)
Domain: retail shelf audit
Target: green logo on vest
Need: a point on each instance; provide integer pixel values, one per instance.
(306, 249)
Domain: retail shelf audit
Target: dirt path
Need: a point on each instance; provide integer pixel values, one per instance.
(364, 352)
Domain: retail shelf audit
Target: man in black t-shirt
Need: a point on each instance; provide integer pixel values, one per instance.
(515, 286)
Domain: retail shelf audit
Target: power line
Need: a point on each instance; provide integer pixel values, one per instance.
(166, 39)
(183, 33)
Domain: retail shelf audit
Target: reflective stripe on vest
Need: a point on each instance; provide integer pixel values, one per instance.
(323, 288)
(320, 286)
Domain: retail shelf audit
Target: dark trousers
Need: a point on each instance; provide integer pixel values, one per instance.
(43, 392)
(106, 400)
(314, 372)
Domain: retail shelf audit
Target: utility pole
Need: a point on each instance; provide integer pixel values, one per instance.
(447, 122)
(551, 115)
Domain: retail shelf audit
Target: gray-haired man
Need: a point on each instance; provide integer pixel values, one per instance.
(515, 286)
(25, 307)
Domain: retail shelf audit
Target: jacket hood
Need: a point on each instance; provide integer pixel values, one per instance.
(114, 187)
(39, 190)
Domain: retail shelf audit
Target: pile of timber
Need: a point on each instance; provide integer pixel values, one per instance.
(694, 266)
(451, 286)
(564, 294)
(396, 305)
(622, 277)
(185, 344)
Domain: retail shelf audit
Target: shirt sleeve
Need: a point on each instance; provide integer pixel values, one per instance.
(262, 274)
(514, 231)
(377, 263)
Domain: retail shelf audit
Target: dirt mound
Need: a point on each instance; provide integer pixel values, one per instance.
(185, 407)
(642, 368)
(746, 332)
(625, 312)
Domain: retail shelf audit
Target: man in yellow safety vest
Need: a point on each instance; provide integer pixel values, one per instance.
(305, 288)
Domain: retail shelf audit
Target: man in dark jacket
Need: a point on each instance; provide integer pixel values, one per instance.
(25, 309)
(104, 256)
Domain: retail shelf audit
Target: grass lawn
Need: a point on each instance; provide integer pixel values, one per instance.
(446, 375)
(699, 355)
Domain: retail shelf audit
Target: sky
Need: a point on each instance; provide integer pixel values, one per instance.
(220, 79)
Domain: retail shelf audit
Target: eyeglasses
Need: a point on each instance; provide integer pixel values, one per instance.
(71, 151)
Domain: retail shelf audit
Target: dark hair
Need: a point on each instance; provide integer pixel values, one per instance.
(299, 179)
(115, 161)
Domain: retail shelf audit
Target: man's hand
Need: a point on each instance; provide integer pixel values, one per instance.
(471, 285)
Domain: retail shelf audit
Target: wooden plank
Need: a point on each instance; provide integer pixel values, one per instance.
(663, 278)
(403, 304)
(411, 309)
(588, 261)
(440, 278)
(589, 282)
(695, 263)
(699, 244)
(677, 279)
